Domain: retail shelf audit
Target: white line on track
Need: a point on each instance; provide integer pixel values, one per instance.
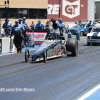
(89, 93)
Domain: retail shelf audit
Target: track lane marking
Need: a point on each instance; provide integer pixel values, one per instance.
(90, 92)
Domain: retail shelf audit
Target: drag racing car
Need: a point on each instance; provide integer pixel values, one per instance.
(94, 36)
(53, 47)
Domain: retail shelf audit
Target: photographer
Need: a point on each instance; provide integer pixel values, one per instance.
(61, 26)
(47, 24)
(57, 27)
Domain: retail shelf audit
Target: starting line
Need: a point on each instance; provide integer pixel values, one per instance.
(94, 94)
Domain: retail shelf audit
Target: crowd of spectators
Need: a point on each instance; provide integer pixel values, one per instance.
(89, 24)
(32, 26)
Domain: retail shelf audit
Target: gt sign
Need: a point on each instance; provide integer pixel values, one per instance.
(39, 37)
(70, 10)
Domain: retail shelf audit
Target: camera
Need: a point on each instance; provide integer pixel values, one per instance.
(55, 26)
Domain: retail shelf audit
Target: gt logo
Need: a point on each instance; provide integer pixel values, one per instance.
(53, 9)
(71, 9)
(38, 36)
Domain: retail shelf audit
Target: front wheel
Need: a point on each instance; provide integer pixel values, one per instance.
(88, 43)
(94, 44)
(33, 45)
(45, 56)
(27, 55)
(82, 33)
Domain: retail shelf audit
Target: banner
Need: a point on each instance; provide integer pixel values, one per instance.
(39, 37)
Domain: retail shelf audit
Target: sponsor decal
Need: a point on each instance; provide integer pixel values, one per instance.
(55, 48)
(38, 36)
(71, 9)
(54, 52)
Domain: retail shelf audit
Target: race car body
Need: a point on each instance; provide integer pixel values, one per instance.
(52, 48)
(93, 36)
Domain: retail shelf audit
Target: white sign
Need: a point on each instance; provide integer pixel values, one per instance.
(53, 9)
(71, 9)
(39, 36)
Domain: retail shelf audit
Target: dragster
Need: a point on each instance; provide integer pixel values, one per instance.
(52, 48)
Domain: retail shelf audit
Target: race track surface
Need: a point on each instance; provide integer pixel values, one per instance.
(66, 78)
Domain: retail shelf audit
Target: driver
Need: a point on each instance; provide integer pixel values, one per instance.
(17, 31)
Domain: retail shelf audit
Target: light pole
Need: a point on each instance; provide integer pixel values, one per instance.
(59, 7)
(6, 8)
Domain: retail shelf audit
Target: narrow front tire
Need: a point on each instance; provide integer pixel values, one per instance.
(27, 55)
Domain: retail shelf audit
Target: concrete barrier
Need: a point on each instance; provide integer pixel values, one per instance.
(4, 45)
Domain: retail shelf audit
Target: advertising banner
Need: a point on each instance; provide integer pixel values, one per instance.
(70, 10)
(39, 37)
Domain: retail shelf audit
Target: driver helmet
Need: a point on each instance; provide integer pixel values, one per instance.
(50, 36)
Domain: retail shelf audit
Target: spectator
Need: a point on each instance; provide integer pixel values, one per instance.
(9, 26)
(32, 25)
(24, 22)
(90, 25)
(87, 22)
(20, 20)
(76, 22)
(80, 21)
(40, 25)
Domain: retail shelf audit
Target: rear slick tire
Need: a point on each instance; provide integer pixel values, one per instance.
(72, 46)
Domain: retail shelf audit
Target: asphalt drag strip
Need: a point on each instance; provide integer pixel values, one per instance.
(65, 78)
